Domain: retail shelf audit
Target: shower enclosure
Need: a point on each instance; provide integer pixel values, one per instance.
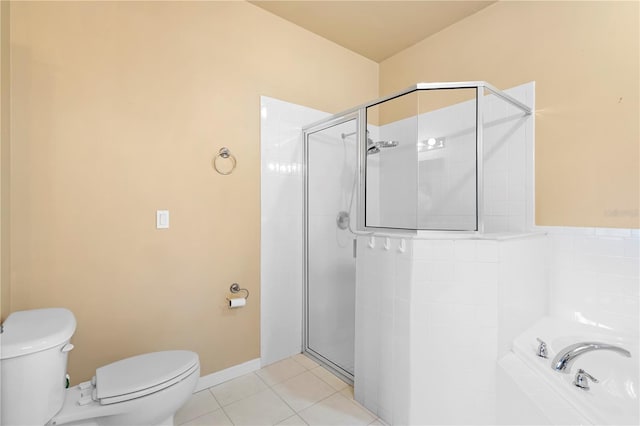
(424, 160)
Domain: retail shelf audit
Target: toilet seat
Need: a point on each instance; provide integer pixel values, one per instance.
(142, 375)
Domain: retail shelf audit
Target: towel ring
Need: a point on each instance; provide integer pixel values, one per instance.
(225, 154)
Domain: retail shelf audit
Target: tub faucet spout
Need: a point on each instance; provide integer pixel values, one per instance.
(565, 358)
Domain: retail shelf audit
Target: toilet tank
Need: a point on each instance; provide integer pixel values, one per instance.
(34, 346)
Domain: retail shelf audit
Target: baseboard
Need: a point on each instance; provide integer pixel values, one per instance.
(272, 357)
(227, 374)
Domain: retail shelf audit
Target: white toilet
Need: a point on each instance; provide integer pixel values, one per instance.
(143, 390)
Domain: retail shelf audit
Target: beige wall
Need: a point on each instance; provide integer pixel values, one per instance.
(584, 57)
(117, 110)
(5, 276)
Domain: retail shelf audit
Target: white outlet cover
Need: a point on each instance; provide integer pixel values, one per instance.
(162, 219)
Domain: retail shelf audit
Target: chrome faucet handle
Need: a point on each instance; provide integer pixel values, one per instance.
(542, 349)
(582, 379)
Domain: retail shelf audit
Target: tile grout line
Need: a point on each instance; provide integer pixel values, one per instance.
(320, 366)
(227, 415)
(307, 370)
(295, 412)
(220, 405)
(204, 414)
(313, 405)
(248, 396)
(351, 400)
(271, 387)
(288, 378)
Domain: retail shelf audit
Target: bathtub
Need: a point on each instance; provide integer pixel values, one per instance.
(551, 397)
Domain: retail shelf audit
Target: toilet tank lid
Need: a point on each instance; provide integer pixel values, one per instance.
(26, 332)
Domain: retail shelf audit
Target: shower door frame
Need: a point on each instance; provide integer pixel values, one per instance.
(359, 113)
(335, 120)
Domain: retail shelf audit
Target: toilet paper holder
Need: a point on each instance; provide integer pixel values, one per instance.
(235, 288)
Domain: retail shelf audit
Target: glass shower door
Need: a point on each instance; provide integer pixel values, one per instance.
(329, 243)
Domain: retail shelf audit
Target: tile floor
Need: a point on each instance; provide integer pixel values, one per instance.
(294, 391)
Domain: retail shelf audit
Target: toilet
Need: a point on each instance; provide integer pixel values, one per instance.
(144, 390)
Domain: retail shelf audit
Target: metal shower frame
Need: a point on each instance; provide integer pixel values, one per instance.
(358, 113)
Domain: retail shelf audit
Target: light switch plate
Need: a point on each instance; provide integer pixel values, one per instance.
(162, 219)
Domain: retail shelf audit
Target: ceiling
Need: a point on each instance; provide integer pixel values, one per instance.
(374, 29)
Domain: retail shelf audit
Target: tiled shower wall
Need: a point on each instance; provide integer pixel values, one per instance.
(442, 181)
(281, 226)
(509, 162)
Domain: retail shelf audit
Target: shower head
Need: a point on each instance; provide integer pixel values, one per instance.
(374, 147)
(387, 144)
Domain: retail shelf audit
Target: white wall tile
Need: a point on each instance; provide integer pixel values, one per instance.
(464, 271)
(281, 239)
(487, 251)
(595, 276)
(632, 247)
(509, 169)
(613, 232)
(626, 286)
(383, 291)
(523, 291)
(464, 250)
(425, 270)
(486, 271)
(457, 324)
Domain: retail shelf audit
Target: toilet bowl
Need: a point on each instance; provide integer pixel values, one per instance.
(142, 390)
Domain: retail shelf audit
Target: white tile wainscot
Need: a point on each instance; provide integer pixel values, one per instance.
(469, 298)
(382, 350)
(595, 277)
(432, 321)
